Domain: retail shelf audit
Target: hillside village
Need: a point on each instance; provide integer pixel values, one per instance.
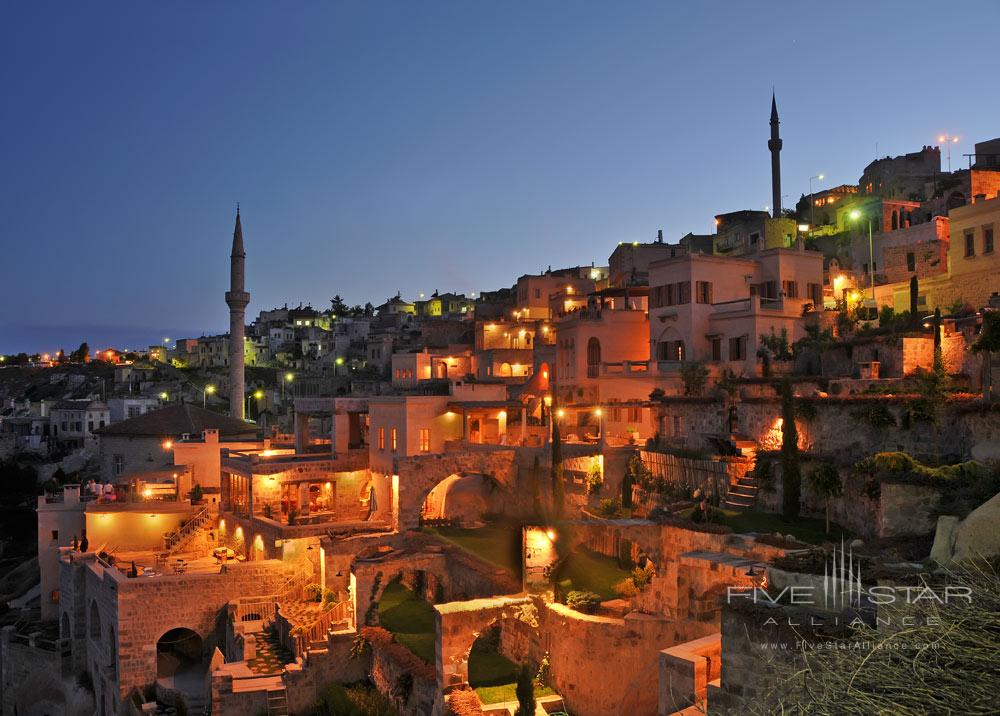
(575, 488)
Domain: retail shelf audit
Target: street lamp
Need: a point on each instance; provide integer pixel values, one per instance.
(164, 397)
(209, 390)
(287, 378)
(855, 215)
(812, 202)
(949, 140)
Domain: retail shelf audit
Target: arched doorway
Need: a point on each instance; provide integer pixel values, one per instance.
(178, 652)
(505, 371)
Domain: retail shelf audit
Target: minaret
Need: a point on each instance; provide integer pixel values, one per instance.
(774, 144)
(237, 298)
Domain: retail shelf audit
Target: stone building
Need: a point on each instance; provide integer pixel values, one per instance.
(144, 443)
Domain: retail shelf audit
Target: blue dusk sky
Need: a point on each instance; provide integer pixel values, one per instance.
(413, 146)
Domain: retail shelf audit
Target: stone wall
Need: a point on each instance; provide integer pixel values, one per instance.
(30, 679)
(135, 613)
(404, 678)
(839, 427)
(882, 510)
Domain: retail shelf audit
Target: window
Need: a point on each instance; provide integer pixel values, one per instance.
(815, 293)
(754, 238)
(790, 288)
(911, 261)
(538, 293)
(678, 425)
(635, 415)
(118, 464)
(425, 439)
(381, 438)
(716, 348)
(593, 357)
(988, 240)
(769, 289)
(738, 348)
(392, 439)
(970, 245)
(55, 535)
(703, 292)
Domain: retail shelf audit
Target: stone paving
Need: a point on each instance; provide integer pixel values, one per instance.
(271, 655)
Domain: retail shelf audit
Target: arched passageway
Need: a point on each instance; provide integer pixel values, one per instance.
(460, 499)
(178, 651)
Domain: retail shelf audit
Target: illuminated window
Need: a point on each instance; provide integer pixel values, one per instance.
(381, 438)
(392, 439)
(425, 440)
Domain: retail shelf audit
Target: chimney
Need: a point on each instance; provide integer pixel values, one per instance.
(659, 236)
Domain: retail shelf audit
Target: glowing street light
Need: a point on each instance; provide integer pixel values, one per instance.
(949, 140)
(164, 396)
(855, 215)
(287, 378)
(209, 390)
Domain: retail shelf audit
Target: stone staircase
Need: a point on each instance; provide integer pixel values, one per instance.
(175, 541)
(743, 494)
(277, 702)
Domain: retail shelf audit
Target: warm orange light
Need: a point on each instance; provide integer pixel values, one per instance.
(551, 534)
(569, 290)
(597, 412)
(560, 413)
(167, 444)
(148, 492)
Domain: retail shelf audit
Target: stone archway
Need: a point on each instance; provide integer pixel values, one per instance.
(459, 625)
(179, 652)
(461, 500)
(419, 474)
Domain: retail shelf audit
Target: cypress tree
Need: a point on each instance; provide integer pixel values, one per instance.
(791, 474)
(525, 692)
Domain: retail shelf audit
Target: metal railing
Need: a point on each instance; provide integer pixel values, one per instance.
(173, 541)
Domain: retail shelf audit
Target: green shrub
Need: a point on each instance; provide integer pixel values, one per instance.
(312, 592)
(586, 602)
(609, 508)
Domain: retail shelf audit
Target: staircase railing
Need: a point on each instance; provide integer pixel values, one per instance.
(173, 541)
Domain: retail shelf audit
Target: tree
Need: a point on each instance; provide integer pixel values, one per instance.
(914, 294)
(817, 340)
(791, 476)
(774, 347)
(694, 374)
(627, 481)
(556, 471)
(825, 482)
(525, 692)
(337, 306)
(81, 354)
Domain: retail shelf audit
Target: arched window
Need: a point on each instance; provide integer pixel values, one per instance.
(95, 622)
(593, 357)
(112, 649)
(505, 370)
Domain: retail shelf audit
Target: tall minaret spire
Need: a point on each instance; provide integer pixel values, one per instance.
(237, 298)
(774, 144)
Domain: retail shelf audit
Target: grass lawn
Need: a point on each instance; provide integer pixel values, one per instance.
(499, 543)
(807, 529)
(506, 692)
(593, 572)
(409, 618)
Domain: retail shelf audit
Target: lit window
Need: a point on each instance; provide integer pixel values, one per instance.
(381, 438)
(392, 438)
(425, 440)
